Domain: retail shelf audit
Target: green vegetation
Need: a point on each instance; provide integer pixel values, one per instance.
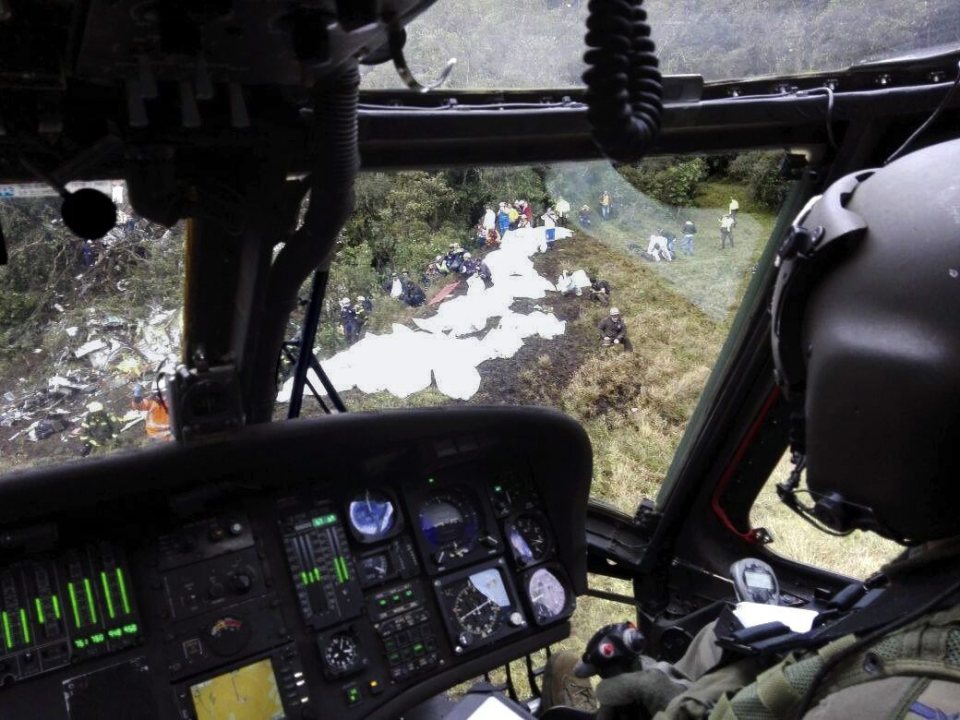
(667, 181)
(52, 282)
(539, 43)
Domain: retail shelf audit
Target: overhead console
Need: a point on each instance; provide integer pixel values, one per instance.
(346, 567)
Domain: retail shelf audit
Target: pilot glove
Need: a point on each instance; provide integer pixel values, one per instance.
(651, 689)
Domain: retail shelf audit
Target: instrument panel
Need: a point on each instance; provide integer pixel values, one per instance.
(307, 587)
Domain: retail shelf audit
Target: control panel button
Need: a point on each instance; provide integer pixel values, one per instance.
(241, 583)
(352, 695)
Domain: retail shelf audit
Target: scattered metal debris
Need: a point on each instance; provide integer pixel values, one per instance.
(115, 352)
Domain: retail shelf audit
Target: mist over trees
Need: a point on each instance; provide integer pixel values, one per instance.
(539, 43)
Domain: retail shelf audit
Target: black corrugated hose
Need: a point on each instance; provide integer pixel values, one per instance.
(624, 87)
(331, 203)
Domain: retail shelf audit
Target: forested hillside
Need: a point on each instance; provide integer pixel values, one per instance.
(539, 43)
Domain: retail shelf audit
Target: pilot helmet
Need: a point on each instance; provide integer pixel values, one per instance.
(866, 346)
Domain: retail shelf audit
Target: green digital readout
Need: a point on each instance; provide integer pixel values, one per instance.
(73, 603)
(123, 592)
(324, 520)
(90, 604)
(308, 578)
(98, 638)
(7, 637)
(106, 594)
(340, 568)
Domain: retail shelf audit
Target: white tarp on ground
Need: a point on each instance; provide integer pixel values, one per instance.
(581, 279)
(406, 361)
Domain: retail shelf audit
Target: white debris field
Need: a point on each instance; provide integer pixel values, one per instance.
(447, 347)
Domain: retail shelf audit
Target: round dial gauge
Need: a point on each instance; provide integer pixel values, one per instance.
(341, 653)
(529, 540)
(480, 603)
(375, 568)
(449, 523)
(372, 515)
(547, 595)
(476, 613)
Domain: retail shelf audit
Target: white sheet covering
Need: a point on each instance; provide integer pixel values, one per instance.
(406, 360)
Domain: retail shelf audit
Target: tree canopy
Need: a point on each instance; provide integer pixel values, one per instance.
(539, 43)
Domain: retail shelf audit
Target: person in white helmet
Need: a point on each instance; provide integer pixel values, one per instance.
(614, 331)
(98, 428)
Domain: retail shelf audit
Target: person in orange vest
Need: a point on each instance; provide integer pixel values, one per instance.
(158, 419)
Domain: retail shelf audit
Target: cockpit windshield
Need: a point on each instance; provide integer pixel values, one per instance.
(604, 292)
(539, 43)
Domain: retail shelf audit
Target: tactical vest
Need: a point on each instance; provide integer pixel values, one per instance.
(927, 649)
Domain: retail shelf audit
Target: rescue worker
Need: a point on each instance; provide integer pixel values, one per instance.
(396, 287)
(513, 215)
(613, 331)
(157, 420)
(689, 231)
(489, 221)
(479, 235)
(857, 332)
(437, 268)
(88, 254)
(599, 290)
(671, 243)
(361, 312)
(584, 216)
(733, 207)
(550, 223)
(365, 304)
(727, 223)
(468, 266)
(413, 294)
(503, 220)
(98, 428)
(605, 205)
(657, 248)
(526, 210)
(349, 321)
(483, 271)
(453, 260)
(563, 211)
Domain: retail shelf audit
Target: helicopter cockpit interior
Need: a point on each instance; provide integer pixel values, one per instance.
(360, 565)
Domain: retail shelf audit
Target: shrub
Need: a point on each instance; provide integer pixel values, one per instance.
(760, 171)
(667, 180)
